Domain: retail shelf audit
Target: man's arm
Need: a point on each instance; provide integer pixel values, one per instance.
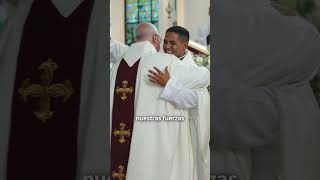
(117, 50)
(190, 76)
(182, 97)
(173, 90)
(183, 80)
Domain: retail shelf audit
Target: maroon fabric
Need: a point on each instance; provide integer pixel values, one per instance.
(48, 150)
(122, 112)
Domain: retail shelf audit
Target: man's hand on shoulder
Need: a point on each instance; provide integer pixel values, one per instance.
(158, 77)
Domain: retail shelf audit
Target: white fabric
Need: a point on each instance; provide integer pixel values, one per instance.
(165, 148)
(270, 55)
(175, 92)
(117, 51)
(198, 100)
(182, 97)
(136, 50)
(186, 52)
(188, 59)
(200, 116)
(92, 141)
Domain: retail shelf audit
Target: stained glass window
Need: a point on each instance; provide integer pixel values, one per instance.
(138, 11)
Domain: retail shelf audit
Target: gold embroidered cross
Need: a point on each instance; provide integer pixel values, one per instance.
(122, 133)
(46, 90)
(124, 90)
(120, 175)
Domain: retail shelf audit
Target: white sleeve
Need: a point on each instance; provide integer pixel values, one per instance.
(190, 76)
(117, 50)
(113, 52)
(176, 93)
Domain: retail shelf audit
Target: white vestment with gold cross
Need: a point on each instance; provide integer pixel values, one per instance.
(160, 148)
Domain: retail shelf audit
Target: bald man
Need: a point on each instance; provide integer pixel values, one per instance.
(157, 143)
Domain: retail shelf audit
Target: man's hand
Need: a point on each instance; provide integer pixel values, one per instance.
(158, 77)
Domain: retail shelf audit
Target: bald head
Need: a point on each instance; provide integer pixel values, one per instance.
(148, 32)
(145, 31)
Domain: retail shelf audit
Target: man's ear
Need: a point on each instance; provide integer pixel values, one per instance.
(154, 38)
(186, 43)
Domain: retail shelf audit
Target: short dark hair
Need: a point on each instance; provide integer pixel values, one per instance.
(181, 31)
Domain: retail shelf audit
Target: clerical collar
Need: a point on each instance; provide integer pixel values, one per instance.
(66, 7)
(137, 50)
(185, 53)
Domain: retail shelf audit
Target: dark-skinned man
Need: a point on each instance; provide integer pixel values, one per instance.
(196, 100)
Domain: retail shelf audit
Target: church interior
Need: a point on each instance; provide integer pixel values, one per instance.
(192, 15)
(47, 85)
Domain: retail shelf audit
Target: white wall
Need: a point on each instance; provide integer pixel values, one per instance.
(191, 14)
(196, 14)
(163, 17)
(118, 20)
(164, 21)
